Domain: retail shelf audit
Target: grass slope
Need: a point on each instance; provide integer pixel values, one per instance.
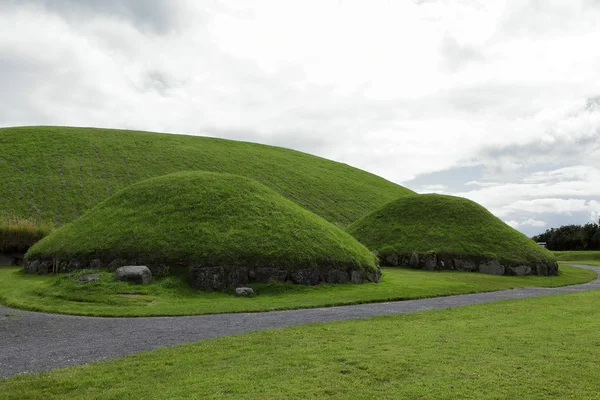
(54, 174)
(580, 257)
(173, 296)
(442, 224)
(539, 348)
(207, 219)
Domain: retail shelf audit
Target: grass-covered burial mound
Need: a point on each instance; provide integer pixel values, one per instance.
(227, 230)
(432, 231)
(51, 175)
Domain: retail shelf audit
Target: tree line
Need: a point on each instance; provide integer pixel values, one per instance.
(572, 237)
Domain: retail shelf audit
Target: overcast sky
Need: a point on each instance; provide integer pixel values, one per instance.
(497, 101)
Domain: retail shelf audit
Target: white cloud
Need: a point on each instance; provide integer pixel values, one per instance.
(528, 222)
(432, 189)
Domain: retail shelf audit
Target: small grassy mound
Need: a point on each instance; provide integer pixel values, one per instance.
(438, 231)
(206, 220)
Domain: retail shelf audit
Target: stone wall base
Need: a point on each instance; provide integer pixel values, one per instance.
(434, 261)
(11, 259)
(215, 277)
(223, 277)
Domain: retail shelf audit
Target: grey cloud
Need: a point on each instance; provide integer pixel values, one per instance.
(454, 179)
(539, 152)
(227, 133)
(593, 102)
(33, 89)
(535, 17)
(15, 99)
(159, 81)
(159, 16)
(503, 98)
(292, 140)
(592, 3)
(457, 56)
(421, 2)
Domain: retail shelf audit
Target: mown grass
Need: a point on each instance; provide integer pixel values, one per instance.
(173, 296)
(580, 257)
(537, 348)
(207, 219)
(432, 223)
(18, 235)
(54, 174)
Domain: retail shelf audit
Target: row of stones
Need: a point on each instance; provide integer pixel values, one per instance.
(58, 266)
(434, 261)
(219, 277)
(140, 274)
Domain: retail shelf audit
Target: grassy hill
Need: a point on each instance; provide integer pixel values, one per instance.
(204, 219)
(51, 175)
(447, 226)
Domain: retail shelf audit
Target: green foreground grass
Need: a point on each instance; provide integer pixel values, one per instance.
(173, 296)
(578, 257)
(538, 348)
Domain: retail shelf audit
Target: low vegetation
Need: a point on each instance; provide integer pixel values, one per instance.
(432, 223)
(52, 175)
(172, 295)
(18, 235)
(500, 350)
(579, 257)
(204, 219)
(571, 237)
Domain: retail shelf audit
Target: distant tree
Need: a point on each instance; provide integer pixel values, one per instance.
(572, 237)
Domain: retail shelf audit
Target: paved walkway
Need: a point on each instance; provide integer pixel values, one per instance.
(33, 342)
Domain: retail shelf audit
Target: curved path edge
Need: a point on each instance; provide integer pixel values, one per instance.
(34, 342)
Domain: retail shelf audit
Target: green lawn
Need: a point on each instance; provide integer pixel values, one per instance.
(173, 296)
(579, 257)
(538, 348)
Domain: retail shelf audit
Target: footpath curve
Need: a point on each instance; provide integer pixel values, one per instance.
(34, 342)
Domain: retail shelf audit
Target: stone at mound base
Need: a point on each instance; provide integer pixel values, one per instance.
(244, 291)
(492, 267)
(433, 261)
(134, 273)
(220, 278)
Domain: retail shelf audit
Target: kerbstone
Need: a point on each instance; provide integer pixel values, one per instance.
(492, 267)
(134, 273)
(244, 292)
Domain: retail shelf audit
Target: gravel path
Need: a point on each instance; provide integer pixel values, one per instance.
(33, 342)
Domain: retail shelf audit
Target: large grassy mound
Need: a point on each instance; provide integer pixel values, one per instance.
(444, 232)
(52, 175)
(226, 229)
